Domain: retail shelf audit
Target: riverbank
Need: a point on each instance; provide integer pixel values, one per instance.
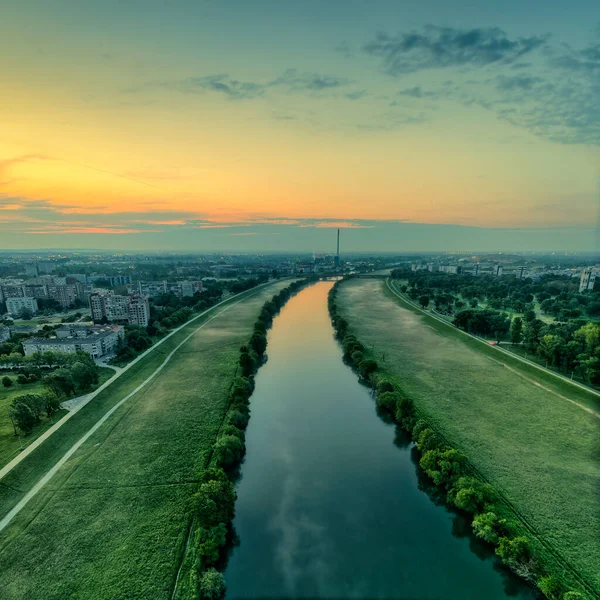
(534, 447)
(330, 503)
(113, 520)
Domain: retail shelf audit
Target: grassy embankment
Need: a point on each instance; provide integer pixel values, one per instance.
(112, 523)
(11, 444)
(512, 421)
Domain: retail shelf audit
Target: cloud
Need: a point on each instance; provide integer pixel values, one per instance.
(290, 81)
(357, 95)
(518, 82)
(441, 47)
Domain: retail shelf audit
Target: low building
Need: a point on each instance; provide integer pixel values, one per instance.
(15, 306)
(587, 279)
(150, 289)
(4, 333)
(97, 341)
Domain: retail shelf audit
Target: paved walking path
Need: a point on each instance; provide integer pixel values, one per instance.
(83, 400)
(51, 472)
(500, 349)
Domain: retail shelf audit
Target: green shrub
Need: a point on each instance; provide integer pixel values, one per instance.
(388, 401)
(357, 357)
(512, 552)
(212, 585)
(229, 451)
(550, 587)
(385, 385)
(210, 543)
(239, 419)
(485, 526)
(470, 494)
(428, 440)
(366, 367)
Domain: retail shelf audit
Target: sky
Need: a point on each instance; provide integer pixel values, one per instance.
(265, 125)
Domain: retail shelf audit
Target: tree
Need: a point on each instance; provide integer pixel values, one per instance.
(516, 330)
(366, 367)
(22, 416)
(512, 552)
(424, 301)
(84, 376)
(550, 587)
(60, 382)
(485, 526)
(7, 382)
(212, 585)
(51, 403)
(229, 451)
(473, 302)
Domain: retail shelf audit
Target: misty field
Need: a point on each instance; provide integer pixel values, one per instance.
(514, 423)
(112, 523)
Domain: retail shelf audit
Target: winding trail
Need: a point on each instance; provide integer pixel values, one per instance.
(51, 472)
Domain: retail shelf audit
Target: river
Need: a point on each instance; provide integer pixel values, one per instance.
(330, 502)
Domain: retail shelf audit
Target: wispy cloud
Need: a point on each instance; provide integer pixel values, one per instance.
(441, 47)
(290, 81)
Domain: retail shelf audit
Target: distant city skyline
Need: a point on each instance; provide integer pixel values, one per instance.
(264, 126)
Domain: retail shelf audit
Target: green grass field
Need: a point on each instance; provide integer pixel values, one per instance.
(112, 522)
(513, 422)
(10, 444)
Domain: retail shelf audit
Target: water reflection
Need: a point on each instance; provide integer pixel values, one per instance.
(332, 503)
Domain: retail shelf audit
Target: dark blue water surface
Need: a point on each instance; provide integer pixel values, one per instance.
(330, 503)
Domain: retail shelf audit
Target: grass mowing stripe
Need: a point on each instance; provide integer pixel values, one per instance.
(49, 474)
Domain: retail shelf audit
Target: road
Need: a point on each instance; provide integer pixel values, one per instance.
(83, 400)
(498, 348)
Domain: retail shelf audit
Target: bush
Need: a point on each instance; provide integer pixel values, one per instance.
(366, 367)
(470, 494)
(550, 587)
(229, 451)
(357, 357)
(444, 467)
(212, 585)
(388, 401)
(239, 419)
(573, 596)
(385, 385)
(512, 552)
(428, 440)
(7, 382)
(485, 526)
(211, 541)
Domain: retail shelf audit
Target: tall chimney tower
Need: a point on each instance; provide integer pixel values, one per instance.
(337, 256)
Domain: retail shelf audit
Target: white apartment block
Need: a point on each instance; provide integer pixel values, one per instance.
(95, 341)
(133, 309)
(449, 269)
(15, 306)
(587, 280)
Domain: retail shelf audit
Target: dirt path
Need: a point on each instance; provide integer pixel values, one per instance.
(51, 472)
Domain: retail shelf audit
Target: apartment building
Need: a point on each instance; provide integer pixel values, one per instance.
(15, 306)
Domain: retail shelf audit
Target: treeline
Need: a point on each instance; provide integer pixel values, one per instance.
(213, 505)
(558, 295)
(77, 375)
(448, 469)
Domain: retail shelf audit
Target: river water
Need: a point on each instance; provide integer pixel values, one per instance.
(330, 502)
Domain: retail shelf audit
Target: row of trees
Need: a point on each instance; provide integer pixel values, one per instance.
(558, 295)
(448, 469)
(214, 503)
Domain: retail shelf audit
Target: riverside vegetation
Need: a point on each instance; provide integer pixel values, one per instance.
(213, 506)
(452, 474)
